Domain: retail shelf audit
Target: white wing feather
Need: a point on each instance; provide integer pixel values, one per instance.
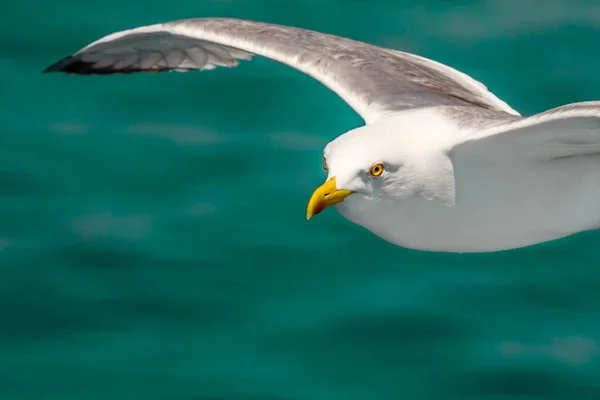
(567, 131)
(547, 161)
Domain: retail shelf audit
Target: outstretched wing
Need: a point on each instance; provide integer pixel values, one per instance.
(494, 164)
(567, 131)
(371, 79)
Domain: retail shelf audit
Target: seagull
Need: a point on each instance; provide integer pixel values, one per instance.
(441, 164)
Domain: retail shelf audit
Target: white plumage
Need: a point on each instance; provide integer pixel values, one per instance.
(462, 171)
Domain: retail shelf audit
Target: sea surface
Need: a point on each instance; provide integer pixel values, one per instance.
(153, 242)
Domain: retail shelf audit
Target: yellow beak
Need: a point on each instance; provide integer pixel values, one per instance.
(325, 196)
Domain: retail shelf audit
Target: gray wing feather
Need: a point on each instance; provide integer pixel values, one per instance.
(372, 80)
(566, 131)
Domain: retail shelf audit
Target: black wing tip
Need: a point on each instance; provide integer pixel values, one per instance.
(74, 65)
(58, 66)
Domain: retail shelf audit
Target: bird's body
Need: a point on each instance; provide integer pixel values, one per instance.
(506, 204)
(441, 165)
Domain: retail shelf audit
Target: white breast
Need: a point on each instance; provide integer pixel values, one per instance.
(501, 215)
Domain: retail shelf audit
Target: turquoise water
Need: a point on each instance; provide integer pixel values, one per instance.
(153, 243)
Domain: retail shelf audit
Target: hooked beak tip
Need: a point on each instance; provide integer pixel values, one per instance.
(316, 210)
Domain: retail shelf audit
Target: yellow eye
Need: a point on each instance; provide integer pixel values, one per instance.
(325, 163)
(376, 169)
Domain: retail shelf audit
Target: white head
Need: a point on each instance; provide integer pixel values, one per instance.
(389, 163)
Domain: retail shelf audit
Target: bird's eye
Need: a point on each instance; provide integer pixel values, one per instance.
(325, 163)
(376, 170)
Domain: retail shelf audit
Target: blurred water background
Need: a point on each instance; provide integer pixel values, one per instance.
(152, 235)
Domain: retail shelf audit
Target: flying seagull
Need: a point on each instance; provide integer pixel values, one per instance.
(441, 163)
